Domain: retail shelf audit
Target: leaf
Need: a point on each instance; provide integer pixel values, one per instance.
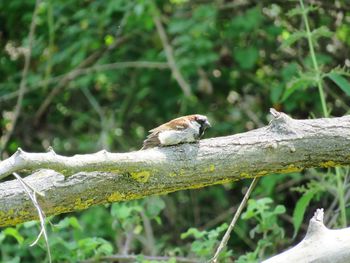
(248, 214)
(2, 237)
(246, 57)
(138, 229)
(302, 82)
(69, 221)
(322, 31)
(299, 210)
(299, 11)
(154, 205)
(248, 22)
(73, 221)
(193, 232)
(10, 231)
(105, 249)
(279, 209)
(292, 38)
(340, 81)
(109, 40)
(295, 11)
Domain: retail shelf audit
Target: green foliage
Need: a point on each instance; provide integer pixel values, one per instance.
(300, 208)
(205, 242)
(340, 81)
(67, 242)
(12, 232)
(238, 60)
(267, 227)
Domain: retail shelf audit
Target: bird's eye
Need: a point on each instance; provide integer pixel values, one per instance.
(201, 121)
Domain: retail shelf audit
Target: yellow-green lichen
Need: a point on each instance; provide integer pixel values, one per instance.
(10, 212)
(224, 181)
(141, 177)
(10, 219)
(245, 175)
(328, 164)
(290, 169)
(115, 197)
(204, 184)
(60, 209)
(80, 204)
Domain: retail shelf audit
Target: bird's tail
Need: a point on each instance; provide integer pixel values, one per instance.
(151, 141)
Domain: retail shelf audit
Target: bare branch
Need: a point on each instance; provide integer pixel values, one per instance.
(133, 258)
(285, 145)
(239, 211)
(170, 57)
(96, 68)
(319, 245)
(23, 85)
(32, 197)
(90, 60)
(149, 234)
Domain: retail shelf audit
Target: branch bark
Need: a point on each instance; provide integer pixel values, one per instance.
(319, 245)
(77, 182)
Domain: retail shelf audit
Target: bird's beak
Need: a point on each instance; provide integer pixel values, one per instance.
(207, 124)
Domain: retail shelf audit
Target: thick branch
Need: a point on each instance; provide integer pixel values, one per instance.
(319, 245)
(285, 145)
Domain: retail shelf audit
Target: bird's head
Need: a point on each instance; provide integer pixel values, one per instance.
(202, 121)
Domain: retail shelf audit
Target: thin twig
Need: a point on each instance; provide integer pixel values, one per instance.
(103, 122)
(170, 57)
(72, 75)
(128, 240)
(149, 234)
(64, 83)
(83, 71)
(133, 258)
(219, 218)
(23, 84)
(27, 188)
(226, 237)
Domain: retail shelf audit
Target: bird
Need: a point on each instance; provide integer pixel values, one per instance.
(185, 129)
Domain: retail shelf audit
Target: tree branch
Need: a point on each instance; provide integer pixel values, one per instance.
(133, 258)
(23, 85)
(170, 57)
(90, 60)
(96, 68)
(238, 213)
(319, 245)
(285, 145)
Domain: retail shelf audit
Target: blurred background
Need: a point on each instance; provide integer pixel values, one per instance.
(91, 75)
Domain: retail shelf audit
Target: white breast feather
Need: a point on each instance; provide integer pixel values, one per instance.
(175, 137)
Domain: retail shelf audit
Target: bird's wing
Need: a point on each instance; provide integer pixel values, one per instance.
(176, 124)
(151, 141)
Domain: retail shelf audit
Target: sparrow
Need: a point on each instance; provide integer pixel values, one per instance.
(180, 130)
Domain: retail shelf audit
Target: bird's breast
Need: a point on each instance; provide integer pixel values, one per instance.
(175, 137)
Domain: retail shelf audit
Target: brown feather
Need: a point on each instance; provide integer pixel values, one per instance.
(151, 141)
(175, 124)
(180, 123)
